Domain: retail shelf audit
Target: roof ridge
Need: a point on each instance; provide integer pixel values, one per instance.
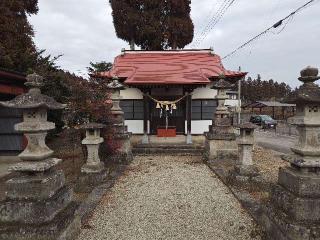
(169, 51)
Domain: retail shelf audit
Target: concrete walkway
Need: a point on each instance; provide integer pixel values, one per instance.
(169, 197)
(279, 143)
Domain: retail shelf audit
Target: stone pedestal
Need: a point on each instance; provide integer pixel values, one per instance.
(220, 140)
(123, 154)
(93, 172)
(295, 210)
(38, 205)
(145, 139)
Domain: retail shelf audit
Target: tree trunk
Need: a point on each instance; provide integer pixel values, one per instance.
(132, 45)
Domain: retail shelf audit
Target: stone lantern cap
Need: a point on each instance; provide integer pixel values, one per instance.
(34, 98)
(115, 84)
(222, 84)
(93, 126)
(309, 92)
(247, 125)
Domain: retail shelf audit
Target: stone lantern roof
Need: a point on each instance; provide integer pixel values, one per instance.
(222, 84)
(309, 92)
(34, 98)
(115, 84)
(93, 126)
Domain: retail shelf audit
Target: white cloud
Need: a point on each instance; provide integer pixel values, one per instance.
(83, 31)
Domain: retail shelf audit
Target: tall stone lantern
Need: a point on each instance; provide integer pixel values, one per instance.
(121, 136)
(220, 140)
(38, 203)
(93, 172)
(296, 198)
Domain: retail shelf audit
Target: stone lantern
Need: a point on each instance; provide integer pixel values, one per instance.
(296, 198)
(220, 140)
(38, 203)
(244, 166)
(93, 172)
(122, 137)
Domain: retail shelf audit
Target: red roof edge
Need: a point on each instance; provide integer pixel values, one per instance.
(12, 75)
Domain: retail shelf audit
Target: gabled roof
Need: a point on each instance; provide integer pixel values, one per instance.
(179, 67)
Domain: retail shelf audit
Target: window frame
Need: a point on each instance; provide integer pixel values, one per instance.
(134, 106)
(202, 106)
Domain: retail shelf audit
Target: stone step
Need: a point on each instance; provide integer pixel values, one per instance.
(171, 146)
(175, 151)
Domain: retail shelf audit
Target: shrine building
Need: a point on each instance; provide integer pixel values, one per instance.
(170, 89)
(11, 85)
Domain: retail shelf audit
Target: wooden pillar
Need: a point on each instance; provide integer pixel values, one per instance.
(145, 138)
(188, 107)
(273, 113)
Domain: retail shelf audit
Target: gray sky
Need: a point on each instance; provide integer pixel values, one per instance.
(83, 31)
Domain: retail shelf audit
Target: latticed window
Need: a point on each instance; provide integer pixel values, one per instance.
(133, 109)
(203, 109)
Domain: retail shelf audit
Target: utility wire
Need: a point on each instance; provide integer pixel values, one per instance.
(209, 16)
(225, 5)
(213, 22)
(276, 25)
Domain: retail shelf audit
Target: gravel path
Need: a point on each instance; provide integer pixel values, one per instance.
(169, 197)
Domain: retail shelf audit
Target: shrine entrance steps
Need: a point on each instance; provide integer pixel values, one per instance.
(169, 146)
(168, 149)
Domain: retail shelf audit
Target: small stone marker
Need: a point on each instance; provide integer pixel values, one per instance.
(38, 204)
(93, 172)
(245, 167)
(296, 198)
(121, 136)
(220, 140)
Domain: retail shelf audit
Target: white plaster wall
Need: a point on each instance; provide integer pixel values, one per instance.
(204, 93)
(131, 93)
(232, 102)
(136, 126)
(199, 126)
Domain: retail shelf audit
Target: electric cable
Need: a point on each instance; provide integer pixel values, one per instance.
(274, 26)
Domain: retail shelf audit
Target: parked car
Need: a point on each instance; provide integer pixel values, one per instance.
(265, 121)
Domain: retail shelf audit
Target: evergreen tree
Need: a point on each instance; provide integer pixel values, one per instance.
(99, 67)
(17, 50)
(260, 90)
(153, 24)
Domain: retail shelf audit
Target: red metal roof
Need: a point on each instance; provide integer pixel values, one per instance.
(168, 67)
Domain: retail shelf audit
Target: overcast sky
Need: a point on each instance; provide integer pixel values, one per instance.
(82, 30)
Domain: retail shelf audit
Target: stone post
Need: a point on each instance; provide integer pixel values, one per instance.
(220, 140)
(93, 172)
(295, 211)
(38, 204)
(245, 169)
(122, 137)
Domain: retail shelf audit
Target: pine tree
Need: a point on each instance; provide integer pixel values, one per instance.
(153, 24)
(99, 67)
(17, 50)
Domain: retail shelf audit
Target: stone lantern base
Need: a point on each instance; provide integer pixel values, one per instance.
(91, 176)
(244, 175)
(221, 148)
(123, 155)
(38, 207)
(294, 214)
